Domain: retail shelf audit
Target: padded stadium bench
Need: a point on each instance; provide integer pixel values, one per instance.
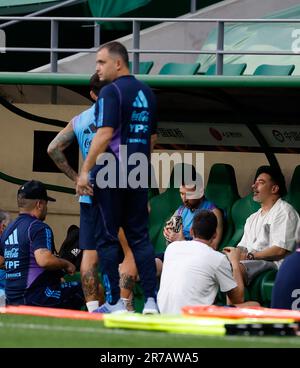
(145, 67)
(274, 70)
(228, 69)
(221, 188)
(260, 288)
(240, 211)
(179, 69)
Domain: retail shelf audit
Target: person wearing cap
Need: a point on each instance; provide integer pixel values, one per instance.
(190, 207)
(33, 272)
(194, 201)
(270, 233)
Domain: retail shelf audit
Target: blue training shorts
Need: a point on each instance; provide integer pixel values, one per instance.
(88, 221)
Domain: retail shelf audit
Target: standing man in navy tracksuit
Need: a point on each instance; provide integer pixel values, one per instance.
(33, 272)
(125, 115)
(286, 289)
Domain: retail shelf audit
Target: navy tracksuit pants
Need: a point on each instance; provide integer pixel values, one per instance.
(126, 208)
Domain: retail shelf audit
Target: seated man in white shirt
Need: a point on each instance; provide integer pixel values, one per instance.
(269, 233)
(193, 271)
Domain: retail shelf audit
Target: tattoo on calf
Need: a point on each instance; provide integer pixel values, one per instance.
(126, 281)
(90, 282)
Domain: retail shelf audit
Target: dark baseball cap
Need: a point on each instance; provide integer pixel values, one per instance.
(34, 189)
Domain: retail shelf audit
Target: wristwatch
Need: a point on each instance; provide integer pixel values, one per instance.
(250, 256)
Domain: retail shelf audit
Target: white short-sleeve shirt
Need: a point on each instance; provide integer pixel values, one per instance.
(276, 227)
(192, 274)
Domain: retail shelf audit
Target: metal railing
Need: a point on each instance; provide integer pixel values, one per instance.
(54, 50)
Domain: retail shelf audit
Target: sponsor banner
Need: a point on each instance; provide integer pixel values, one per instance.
(205, 134)
(281, 135)
(227, 135)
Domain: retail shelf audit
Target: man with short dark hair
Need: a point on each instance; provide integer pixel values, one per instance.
(125, 116)
(270, 233)
(33, 272)
(193, 271)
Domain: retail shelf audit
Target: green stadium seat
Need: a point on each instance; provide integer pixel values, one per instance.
(145, 66)
(221, 188)
(274, 70)
(152, 192)
(179, 69)
(228, 69)
(260, 288)
(266, 287)
(293, 195)
(240, 211)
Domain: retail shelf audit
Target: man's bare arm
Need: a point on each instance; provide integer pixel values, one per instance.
(44, 258)
(273, 253)
(55, 150)
(236, 295)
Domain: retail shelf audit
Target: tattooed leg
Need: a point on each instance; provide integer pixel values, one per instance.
(89, 275)
(127, 283)
(90, 285)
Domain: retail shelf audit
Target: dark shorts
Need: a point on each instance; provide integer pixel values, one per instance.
(66, 295)
(88, 219)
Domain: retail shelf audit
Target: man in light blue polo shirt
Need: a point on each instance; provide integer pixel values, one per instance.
(82, 127)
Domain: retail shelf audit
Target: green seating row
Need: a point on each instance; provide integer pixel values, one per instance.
(264, 69)
(169, 68)
(228, 69)
(144, 67)
(276, 70)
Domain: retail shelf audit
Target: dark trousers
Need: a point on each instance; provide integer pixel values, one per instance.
(68, 295)
(126, 208)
